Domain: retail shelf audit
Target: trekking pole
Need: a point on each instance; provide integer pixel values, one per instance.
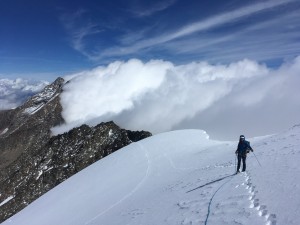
(256, 158)
(234, 163)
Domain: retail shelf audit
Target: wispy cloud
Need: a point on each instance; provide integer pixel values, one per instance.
(153, 8)
(78, 29)
(271, 39)
(222, 19)
(265, 39)
(191, 29)
(80, 33)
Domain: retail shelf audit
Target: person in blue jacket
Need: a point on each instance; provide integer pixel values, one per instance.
(242, 149)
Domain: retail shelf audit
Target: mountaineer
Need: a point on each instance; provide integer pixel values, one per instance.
(242, 149)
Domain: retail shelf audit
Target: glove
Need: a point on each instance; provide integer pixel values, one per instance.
(251, 150)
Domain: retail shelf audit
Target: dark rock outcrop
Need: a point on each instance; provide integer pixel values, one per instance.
(28, 126)
(32, 162)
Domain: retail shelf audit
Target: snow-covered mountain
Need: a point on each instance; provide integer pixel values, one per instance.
(179, 177)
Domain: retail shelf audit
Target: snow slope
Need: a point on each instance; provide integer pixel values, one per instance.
(148, 183)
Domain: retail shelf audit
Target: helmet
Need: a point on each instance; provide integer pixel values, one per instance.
(242, 137)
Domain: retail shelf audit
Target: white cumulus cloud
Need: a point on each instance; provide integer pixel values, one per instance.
(160, 96)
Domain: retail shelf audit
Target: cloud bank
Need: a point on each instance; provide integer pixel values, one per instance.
(14, 92)
(160, 96)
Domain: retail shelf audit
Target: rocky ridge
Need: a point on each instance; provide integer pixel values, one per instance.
(32, 162)
(29, 124)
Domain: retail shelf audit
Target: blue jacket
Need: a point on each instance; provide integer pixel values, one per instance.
(242, 148)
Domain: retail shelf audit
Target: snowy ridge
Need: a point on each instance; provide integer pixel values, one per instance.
(39, 100)
(179, 177)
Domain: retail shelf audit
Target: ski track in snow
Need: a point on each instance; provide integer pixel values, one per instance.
(133, 190)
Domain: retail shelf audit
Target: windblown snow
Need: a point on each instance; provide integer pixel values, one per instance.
(179, 177)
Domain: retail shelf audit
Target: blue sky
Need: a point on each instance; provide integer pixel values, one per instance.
(42, 39)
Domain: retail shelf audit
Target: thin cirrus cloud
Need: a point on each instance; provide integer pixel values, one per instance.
(159, 96)
(223, 19)
(188, 30)
(79, 29)
(263, 41)
(154, 8)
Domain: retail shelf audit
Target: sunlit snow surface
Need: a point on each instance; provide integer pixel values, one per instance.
(147, 183)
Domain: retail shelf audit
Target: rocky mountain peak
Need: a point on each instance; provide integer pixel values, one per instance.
(13, 120)
(32, 161)
(47, 94)
(28, 126)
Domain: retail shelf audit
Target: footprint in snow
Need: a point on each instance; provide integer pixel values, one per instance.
(254, 203)
(192, 204)
(271, 219)
(262, 209)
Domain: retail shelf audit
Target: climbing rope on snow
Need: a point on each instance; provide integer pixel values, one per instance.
(210, 183)
(210, 201)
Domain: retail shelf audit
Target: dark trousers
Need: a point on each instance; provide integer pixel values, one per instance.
(240, 157)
